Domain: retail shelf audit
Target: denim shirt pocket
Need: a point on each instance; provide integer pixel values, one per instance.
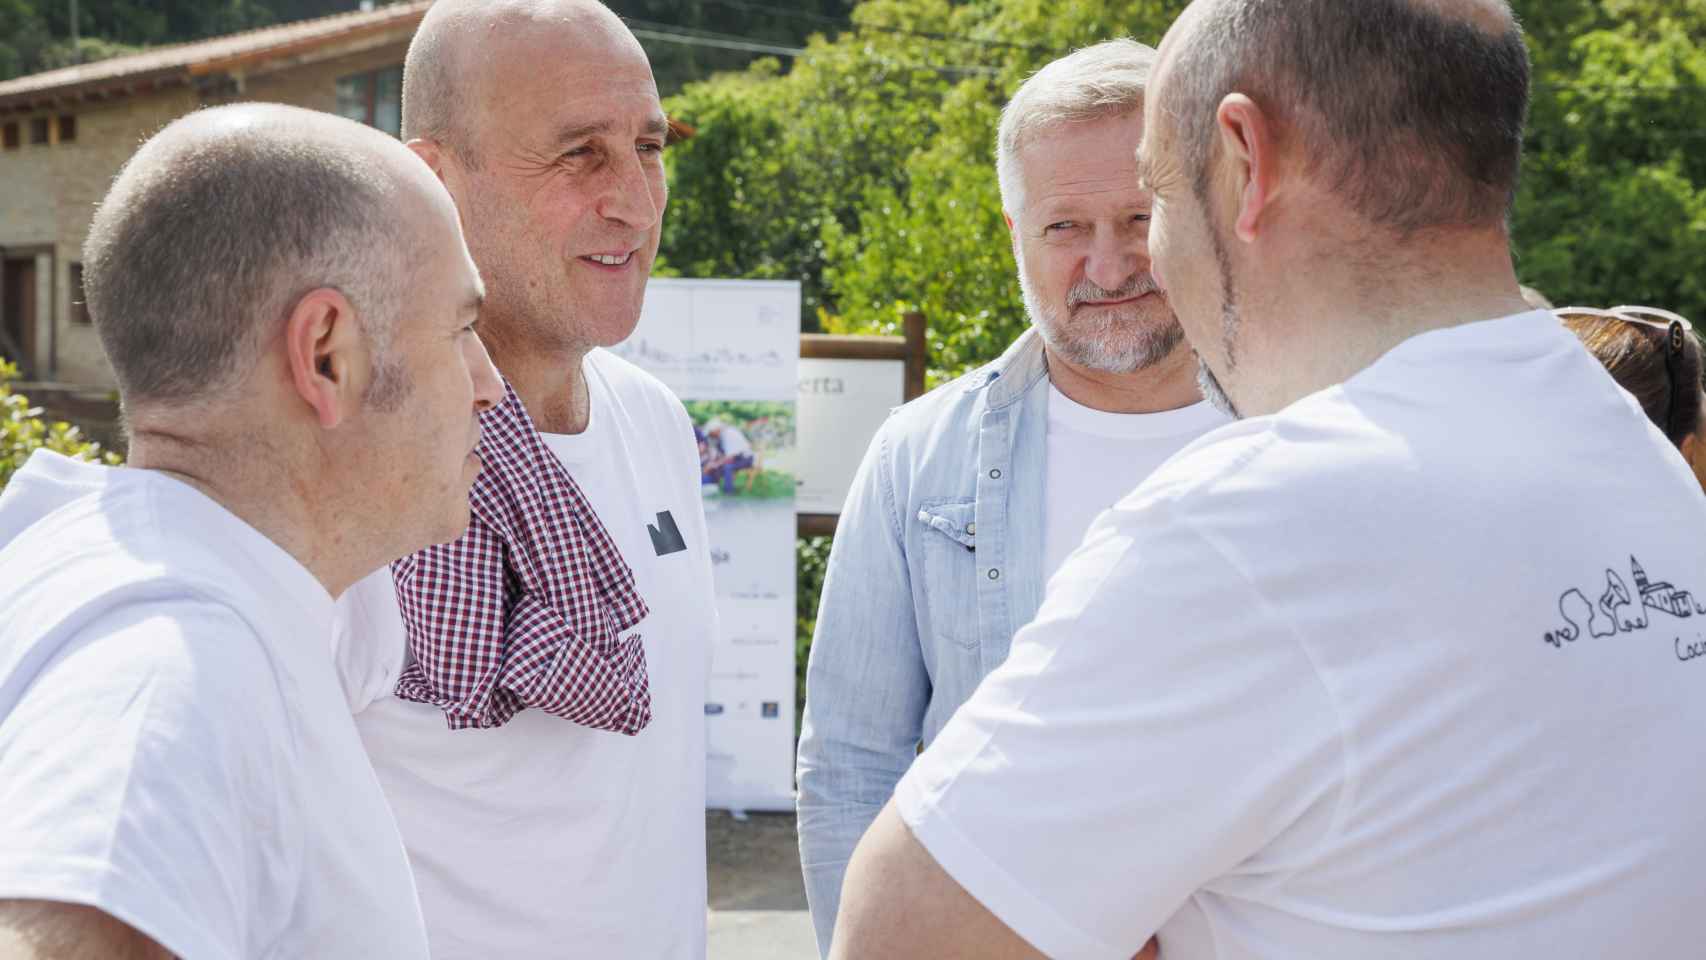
(949, 538)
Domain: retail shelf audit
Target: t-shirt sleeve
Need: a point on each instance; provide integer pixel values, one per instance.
(141, 770)
(369, 644)
(1154, 729)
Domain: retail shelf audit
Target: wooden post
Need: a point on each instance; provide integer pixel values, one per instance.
(916, 355)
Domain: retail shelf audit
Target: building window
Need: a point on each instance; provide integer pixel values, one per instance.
(38, 129)
(374, 98)
(79, 300)
(67, 128)
(11, 135)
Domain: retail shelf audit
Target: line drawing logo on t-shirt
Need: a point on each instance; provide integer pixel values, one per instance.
(666, 536)
(1620, 609)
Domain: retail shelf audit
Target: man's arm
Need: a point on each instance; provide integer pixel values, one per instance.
(46, 930)
(866, 688)
(900, 903)
(1157, 726)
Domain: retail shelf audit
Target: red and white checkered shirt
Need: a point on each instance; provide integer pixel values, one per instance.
(528, 608)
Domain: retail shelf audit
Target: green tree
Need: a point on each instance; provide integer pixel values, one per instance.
(783, 160)
(1613, 202)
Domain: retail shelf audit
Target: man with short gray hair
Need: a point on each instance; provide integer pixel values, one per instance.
(971, 497)
(288, 307)
(1406, 664)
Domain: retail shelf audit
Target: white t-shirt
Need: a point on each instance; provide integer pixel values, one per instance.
(1095, 458)
(541, 838)
(1330, 684)
(733, 442)
(174, 747)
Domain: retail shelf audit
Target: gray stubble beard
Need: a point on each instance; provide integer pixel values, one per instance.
(1141, 345)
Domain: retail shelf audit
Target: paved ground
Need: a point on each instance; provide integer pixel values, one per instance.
(758, 902)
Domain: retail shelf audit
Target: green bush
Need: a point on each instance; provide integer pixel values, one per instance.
(22, 432)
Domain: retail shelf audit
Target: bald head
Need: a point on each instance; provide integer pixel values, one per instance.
(468, 50)
(1411, 111)
(223, 220)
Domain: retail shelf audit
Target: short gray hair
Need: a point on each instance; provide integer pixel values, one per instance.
(433, 82)
(1412, 112)
(1103, 80)
(438, 69)
(205, 244)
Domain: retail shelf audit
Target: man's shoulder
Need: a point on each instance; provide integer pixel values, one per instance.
(104, 631)
(951, 410)
(1310, 452)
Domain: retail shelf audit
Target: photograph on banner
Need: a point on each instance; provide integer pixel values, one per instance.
(746, 448)
(729, 349)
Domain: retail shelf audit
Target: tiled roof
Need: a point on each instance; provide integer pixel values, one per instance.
(178, 63)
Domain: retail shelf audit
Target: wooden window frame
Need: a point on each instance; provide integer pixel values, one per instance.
(79, 297)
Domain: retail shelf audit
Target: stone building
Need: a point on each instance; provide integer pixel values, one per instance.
(65, 133)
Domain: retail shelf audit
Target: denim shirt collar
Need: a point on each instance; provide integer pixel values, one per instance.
(1012, 375)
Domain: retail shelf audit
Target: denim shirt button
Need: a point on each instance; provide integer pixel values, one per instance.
(994, 574)
(995, 473)
(971, 529)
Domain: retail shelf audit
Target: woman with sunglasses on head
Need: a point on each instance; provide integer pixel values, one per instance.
(1655, 356)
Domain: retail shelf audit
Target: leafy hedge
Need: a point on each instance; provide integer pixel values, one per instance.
(22, 432)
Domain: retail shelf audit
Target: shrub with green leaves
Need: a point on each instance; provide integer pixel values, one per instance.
(23, 431)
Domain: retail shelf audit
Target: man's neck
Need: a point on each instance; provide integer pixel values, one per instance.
(1168, 384)
(1306, 337)
(550, 381)
(263, 494)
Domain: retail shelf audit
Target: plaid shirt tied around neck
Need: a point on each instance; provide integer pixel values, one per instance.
(529, 607)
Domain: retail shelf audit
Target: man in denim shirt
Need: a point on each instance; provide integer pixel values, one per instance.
(970, 497)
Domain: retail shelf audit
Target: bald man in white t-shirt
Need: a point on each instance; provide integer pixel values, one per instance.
(179, 775)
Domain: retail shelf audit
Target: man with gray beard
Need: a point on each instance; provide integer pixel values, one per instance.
(972, 496)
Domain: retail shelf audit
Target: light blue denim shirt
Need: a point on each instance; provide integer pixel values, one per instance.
(938, 559)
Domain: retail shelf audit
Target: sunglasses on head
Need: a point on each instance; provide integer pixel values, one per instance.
(1676, 331)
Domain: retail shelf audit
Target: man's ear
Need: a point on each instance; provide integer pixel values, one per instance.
(1247, 144)
(1007, 219)
(429, 151)
(329, 361)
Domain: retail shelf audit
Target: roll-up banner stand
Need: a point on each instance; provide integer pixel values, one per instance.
(730, 350)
